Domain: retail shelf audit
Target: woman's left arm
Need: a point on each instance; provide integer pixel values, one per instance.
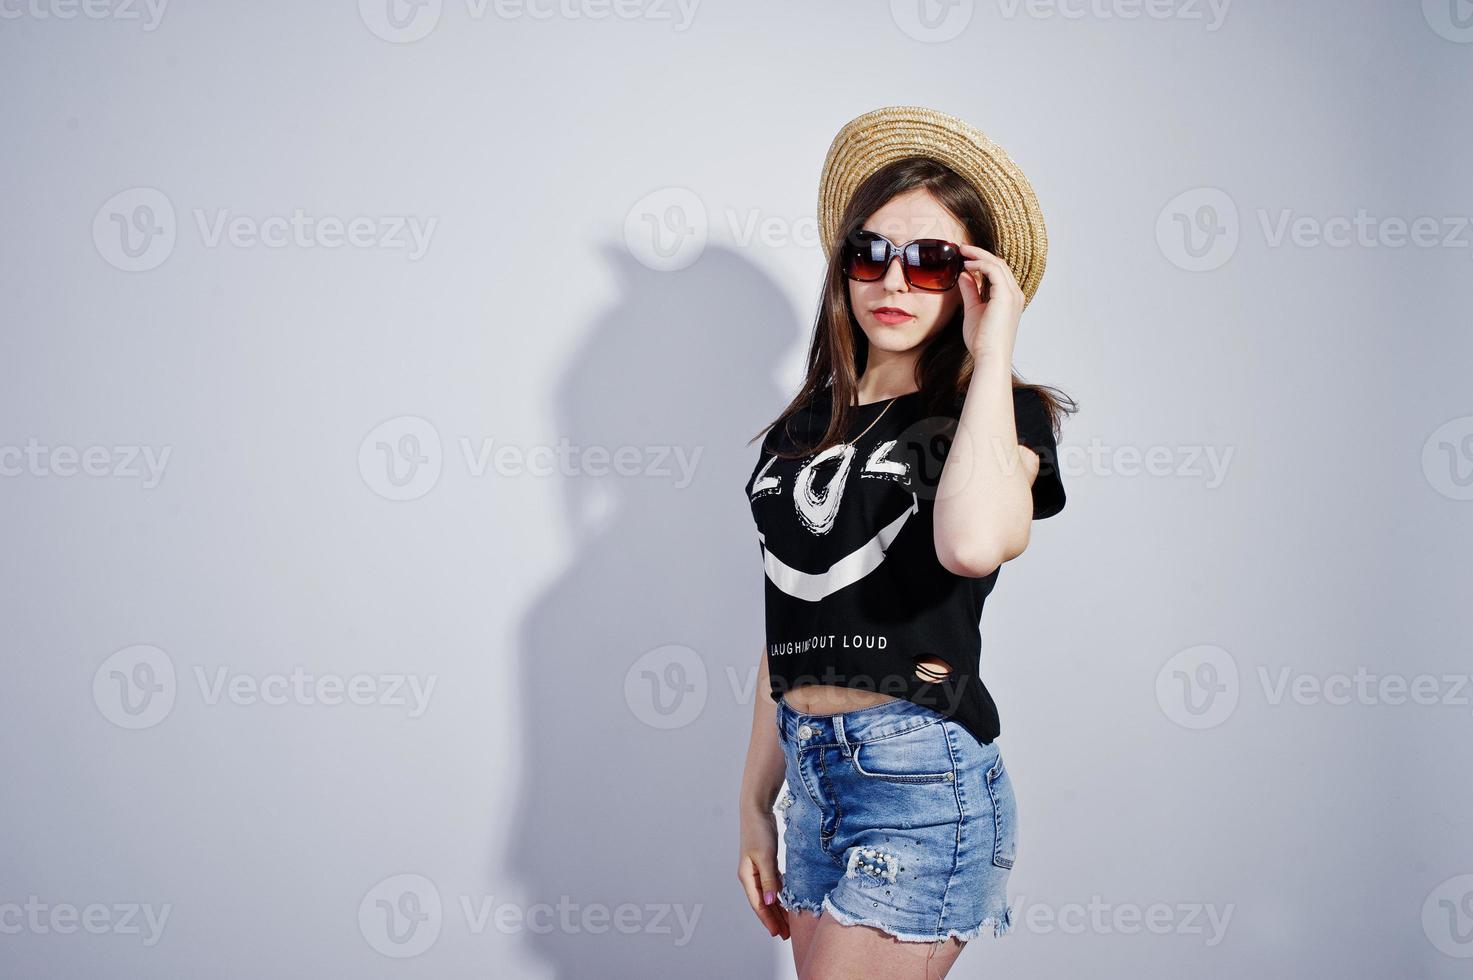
(984, 500)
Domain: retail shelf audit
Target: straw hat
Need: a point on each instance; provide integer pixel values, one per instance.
(868, 142)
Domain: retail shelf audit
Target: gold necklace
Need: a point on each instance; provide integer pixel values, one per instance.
(851, 442)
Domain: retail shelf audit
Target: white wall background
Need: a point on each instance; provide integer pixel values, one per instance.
(585, 180)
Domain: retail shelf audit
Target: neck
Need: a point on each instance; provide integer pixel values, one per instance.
(886, 375)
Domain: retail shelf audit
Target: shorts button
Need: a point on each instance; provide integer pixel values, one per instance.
(804, 731)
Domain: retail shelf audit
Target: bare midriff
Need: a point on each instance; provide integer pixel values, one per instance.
(829, 699)
(832, 699)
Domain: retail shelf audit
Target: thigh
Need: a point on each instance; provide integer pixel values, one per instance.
(840, 952)
(802, 925)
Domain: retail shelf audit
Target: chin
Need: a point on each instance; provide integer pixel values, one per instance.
(898, 338)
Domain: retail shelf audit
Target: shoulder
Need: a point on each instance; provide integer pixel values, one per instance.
(807, 422)
(1032, 413)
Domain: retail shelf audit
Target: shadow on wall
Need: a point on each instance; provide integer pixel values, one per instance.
(639, 664)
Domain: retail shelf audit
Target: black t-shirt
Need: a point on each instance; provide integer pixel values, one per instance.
(854, 590)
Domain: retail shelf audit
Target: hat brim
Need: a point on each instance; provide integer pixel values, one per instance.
(882, 136)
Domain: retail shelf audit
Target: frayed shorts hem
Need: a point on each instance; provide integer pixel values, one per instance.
(792, 903)
(1000, 925)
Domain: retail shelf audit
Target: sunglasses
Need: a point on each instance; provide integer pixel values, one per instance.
(926, 263)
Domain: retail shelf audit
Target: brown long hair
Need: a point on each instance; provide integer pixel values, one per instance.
(839, 349)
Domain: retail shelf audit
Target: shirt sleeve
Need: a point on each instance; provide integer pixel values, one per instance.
(1034, 431)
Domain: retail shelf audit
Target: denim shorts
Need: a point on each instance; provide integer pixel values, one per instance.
(895, 816)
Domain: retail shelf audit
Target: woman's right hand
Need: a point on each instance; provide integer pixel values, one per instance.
(757, 870)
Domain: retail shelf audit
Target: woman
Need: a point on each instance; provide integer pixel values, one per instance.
(907, 469)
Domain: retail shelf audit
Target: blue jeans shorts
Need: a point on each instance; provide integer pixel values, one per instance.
(895, 816)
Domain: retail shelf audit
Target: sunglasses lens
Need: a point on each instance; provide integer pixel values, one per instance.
(932, 263)
(864, 256)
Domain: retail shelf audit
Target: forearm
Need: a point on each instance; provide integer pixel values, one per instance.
(984, 501)
(763, 775)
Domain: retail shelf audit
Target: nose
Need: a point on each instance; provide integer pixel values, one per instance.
(895, 276)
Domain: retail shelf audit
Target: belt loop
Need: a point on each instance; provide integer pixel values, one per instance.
(839, 733)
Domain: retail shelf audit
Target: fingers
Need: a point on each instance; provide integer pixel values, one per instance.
(771, 885)
(999, 274)
(759, 884)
